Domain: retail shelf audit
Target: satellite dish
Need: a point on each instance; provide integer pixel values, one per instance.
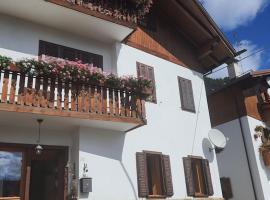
(218, 139)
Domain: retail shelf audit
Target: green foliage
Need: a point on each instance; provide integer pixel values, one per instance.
(215, 84)
(4, 62)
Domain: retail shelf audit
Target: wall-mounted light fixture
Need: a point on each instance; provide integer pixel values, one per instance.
(39, 148)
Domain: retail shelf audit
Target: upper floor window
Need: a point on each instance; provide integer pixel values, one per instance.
(59, 51)
(147, 72)
(198, 177)
(154, 175)
(186, 94)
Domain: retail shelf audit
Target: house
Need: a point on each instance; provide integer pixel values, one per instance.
(67, 133)
(240, 110)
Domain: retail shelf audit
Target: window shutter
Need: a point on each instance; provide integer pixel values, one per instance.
(143, 190)
(151, 76)
(148, 73)
(167, 175)
(189, 176)
(141, 70)
(186, 94)
(226, 187)
(208, 179)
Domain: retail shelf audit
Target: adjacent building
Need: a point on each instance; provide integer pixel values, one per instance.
(240, 110)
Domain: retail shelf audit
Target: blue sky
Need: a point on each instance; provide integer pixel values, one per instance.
(246, 23)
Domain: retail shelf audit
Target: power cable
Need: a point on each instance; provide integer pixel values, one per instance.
(252, 54)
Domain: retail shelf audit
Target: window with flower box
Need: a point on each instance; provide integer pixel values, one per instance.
(59, 51)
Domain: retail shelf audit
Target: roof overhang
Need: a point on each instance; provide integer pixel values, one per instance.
(196, 25)
(62, 18)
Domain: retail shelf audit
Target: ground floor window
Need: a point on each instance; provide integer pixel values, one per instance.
(11, 164)
(154, 175)
(24, 175)
(198, 177)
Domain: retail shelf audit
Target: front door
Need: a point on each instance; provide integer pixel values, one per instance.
(27, 176)
(47, 175)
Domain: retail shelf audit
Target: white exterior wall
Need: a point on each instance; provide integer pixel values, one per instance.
(170, 130)
(20, 39)
(110, 155)
(233, 160)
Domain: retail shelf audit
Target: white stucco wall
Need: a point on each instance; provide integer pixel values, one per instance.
(20, 39)
(261, 173)
(233, 160)
(170, 130)
(110, 155)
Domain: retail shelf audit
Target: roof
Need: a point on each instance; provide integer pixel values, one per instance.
(250, 75)
(196, 25)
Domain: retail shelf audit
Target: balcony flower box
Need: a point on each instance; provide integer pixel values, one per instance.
(265, 153)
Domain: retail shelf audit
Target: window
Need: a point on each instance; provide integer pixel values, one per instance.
(226, 187)
(198, 177)
(186, 94)
(58, 51)
(147, 72)
(10, 173)
(154, 175)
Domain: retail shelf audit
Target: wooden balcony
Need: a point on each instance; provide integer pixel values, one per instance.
(264, 105)
(123, 12)
(20, 93)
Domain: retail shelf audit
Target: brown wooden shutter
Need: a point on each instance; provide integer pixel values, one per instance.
(189, 176)
(226, 187)
(151, 76)
(141, 70)
(208, 179)
(143, 190)
(186, 94)
(167, 175)
(148, 73)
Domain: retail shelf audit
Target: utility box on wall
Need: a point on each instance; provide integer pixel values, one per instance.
(86, 185)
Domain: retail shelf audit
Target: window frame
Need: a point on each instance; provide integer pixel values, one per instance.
(147, 67)
(61, 48)
(182, 97)
(200, 177)
(15, 148)
(190, 178)
(166, 184)
(162, 185)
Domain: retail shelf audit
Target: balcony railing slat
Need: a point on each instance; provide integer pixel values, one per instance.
(20, 91)
(99, 100)
(13, 88)
(127, 104)
(80, 96)
(111, 101)
(116, 102)
(5, 87)
(104, 100)
(29, 90)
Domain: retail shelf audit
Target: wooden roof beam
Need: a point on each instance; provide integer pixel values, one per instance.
(208, 48)
(191, 17)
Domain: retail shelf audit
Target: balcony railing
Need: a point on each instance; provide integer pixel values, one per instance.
(51, 96)
(119, 11)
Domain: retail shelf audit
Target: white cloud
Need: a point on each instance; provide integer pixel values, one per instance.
(230, 14)
(250, 63)
(253, 62)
